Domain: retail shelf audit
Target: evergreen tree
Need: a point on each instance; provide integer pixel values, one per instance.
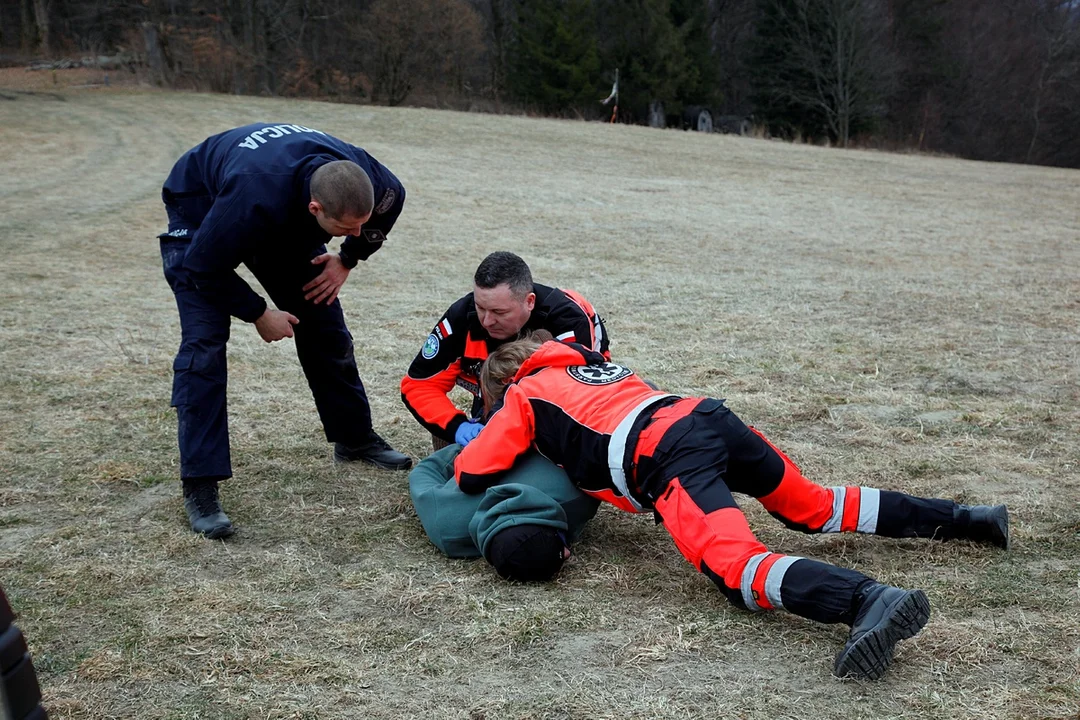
(701, 86)
(916, 111)
(640, 38)
(555, 62)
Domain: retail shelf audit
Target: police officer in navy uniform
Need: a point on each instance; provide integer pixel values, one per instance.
(269, 196)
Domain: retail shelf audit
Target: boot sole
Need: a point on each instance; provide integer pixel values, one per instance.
(219, 532)
(870, 656)
(385, 466)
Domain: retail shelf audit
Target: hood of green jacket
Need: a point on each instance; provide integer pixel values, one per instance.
(513, 504)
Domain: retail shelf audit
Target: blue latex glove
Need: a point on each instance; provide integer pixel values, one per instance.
(467, 432)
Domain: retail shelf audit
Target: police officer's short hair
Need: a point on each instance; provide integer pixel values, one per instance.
(343, 189)
(503, 267)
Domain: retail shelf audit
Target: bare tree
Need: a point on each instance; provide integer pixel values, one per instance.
(390, 35)
(834, 61)
(426, 44)
(731, 25)
(842, 45)
(41, 18)
(26, 34)
(155, 54)
(498, 18)
(1058, 41)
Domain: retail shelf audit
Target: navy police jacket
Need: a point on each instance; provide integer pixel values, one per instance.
(246, 191)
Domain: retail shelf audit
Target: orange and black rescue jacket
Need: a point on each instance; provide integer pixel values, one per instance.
(578, 410)
(458, 345)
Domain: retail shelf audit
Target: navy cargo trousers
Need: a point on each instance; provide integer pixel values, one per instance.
(324, 347)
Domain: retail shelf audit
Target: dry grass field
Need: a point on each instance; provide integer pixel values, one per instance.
(896, 321)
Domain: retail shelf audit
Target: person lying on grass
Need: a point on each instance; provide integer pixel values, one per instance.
(524, 525)
(682, 457)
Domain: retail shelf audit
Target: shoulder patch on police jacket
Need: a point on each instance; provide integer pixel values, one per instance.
(598, 374)
(387, 201)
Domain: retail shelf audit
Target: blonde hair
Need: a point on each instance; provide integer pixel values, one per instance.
(501, 366)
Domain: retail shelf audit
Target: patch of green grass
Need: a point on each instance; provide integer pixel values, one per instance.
(152, 480)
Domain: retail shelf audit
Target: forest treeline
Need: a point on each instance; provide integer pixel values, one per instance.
(984, 79)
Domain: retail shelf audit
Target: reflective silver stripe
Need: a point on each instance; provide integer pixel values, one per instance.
(747, 584)
(833, 525)
(617, 446)
(869, 501)
(775, 579)
(599, 333)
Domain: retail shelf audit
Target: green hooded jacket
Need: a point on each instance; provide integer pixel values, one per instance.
(534, 492)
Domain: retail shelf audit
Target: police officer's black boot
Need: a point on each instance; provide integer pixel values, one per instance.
(982, 524)
(375, 451)
(204, 510)
(885, 615)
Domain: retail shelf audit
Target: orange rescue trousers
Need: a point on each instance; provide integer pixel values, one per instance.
(689, 458)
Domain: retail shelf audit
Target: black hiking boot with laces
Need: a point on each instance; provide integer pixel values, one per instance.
(886, 615)
(204, 510)
(374, 451)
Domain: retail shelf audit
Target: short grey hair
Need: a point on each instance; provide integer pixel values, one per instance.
(343, 189)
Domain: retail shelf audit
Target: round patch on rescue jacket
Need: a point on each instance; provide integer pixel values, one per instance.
(431, 347)
(599, 374)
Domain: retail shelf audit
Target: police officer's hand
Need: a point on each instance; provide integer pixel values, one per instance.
(328, 284)
(275, 324)
(467, 432)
